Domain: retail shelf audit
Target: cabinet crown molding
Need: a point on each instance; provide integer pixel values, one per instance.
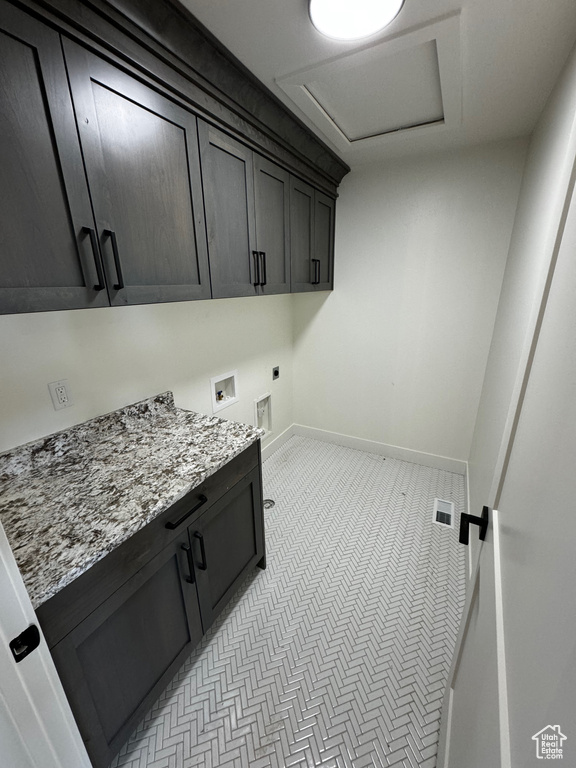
(170, 32)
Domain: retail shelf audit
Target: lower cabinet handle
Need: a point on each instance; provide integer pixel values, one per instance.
(188, 550)
(263, 275)
(99, 271)
(204, 565)
(112, 235)
(172, 525)
(256, 257)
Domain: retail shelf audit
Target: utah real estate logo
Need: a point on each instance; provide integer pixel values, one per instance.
(549, 743)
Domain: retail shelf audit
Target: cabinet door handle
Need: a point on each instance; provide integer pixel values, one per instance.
(263, 275)
(316, 263)
(99, 271)
(204, 564)
(188, 550)
(172, 525)
(255, 256)
(112, 235)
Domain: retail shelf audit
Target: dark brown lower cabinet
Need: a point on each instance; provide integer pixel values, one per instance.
(116, 661)
(227, 541)
(127, 650)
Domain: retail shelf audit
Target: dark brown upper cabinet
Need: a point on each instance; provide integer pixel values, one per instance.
(141, 155)
(301, 234)
(312, 238)
(324, 222)
(113, 192)
(48, 253)
(227, 172)
(272, 192)
(247, 202)
(268, 232)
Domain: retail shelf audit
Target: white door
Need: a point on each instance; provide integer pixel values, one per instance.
(528, 570)
(37, 729)
(538, 509)
(474, 729)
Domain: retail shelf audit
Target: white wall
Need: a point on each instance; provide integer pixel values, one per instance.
(547, 176)
(116, 356)
(397, 353)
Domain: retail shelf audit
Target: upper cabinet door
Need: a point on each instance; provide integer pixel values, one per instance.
(141, 155)
(229, 198)
(302, 235)
(312, 238)
(48, 259)
(272, 192)
(324, 212)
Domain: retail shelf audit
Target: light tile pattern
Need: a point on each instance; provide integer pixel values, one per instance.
(336, 655)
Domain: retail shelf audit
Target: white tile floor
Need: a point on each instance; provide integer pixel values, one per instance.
(337, 654)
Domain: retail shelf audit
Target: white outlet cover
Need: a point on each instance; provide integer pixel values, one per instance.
(60, 394)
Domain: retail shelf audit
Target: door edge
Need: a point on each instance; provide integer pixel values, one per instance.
(443, 754)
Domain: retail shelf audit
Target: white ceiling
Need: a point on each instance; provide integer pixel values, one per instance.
(444, 74)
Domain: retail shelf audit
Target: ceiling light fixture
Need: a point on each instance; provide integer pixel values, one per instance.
(352, 19)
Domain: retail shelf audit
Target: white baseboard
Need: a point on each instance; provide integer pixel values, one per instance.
(382, 449)
(277, 442)
(372, 446)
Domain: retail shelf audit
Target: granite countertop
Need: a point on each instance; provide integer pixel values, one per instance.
(69, 499)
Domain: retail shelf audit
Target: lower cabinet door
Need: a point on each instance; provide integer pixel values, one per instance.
(227, 541)
(116, 663)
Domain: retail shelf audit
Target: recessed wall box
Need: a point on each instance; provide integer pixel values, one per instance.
(224, 390)
(263, 412)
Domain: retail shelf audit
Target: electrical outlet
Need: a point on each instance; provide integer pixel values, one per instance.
(60, 394)
(275, 373)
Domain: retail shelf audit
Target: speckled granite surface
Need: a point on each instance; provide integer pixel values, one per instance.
(69, 499)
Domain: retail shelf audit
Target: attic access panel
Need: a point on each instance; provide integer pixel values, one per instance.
(372, 95)
(389, 94)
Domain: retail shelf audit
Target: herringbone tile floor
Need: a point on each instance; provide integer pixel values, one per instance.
(337, 654)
